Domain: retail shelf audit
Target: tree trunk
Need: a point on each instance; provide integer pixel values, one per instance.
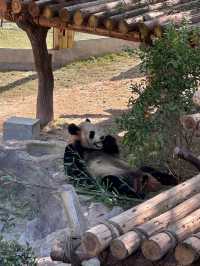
(37, 36)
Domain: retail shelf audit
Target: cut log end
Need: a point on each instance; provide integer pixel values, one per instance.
(123, 27)
(64, 15)
(108, 24)
(78, 18)
(16, 6)
(118, 249)
(47, 13)
(33, 9)
(185, 254)
(92, 21)
(3, 6)
(91, 243)
(125, 245)
(145, 32)
(151, 250)
(157, 246)
(158, 31)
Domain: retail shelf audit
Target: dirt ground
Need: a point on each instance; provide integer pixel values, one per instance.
(97, 88)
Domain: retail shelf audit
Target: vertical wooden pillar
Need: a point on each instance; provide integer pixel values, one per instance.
(63, 39)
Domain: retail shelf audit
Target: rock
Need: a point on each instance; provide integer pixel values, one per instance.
(43, 247)
(35, 196)
(40, 217)
(46, 261)
(98, 212)
(91, 262)
(20, 128)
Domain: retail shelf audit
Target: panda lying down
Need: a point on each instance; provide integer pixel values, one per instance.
(95, 155)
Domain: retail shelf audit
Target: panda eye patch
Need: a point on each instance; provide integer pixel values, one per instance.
(92, 134)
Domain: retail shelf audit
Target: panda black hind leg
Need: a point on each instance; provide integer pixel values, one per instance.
(164, 178)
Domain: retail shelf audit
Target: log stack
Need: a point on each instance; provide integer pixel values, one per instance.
(157, 226)
(134, 20)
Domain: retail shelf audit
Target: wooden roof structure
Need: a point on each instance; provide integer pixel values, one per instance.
(133, 20)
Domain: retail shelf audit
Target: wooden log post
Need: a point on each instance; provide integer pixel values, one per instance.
(187, 156)
(196, 98)
(188, 251)
(158, 245)
(99, 237)
(77, 223)
(191, 122)
(128, 243)
(37, 36)
(63, 39)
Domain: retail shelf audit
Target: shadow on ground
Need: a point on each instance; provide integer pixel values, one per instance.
(132, 73)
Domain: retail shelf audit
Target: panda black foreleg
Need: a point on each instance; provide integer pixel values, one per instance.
(114, 183)
(164, 178)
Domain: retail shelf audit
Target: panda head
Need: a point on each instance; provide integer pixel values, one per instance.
(91, 136)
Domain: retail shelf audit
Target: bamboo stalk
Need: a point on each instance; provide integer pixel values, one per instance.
(188, 251)
(158, 245)
(128, 243)
(100, 236)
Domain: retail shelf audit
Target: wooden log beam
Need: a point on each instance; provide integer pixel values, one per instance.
(83, 14)
(99, 237)
(158, 25)
(53, 9)
(187, 156)
(191, 122)
(158, 245)
(57, 23)
(19, 6)
(66, 13)
(196, 98)
(5, 5)
(191, 19)
(98, 19)
(128, 243)
(188, 251)
(36, 7)
(126, 21)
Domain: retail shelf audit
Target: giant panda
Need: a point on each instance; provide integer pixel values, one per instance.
(100, 154)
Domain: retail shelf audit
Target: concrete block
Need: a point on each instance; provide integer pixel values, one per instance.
(20, 128)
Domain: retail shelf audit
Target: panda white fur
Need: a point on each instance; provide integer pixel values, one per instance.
(101, 155)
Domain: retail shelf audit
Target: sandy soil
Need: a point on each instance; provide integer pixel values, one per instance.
(96, 88)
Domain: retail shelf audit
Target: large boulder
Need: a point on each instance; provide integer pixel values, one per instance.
(31, 209)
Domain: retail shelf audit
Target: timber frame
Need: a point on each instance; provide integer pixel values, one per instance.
(132, 20)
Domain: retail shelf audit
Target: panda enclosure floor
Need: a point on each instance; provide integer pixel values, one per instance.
(95, 88)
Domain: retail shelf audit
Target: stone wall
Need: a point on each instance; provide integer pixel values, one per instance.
(22, 59)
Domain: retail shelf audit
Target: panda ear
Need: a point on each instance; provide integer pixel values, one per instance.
(88, 120)
(73, 129)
